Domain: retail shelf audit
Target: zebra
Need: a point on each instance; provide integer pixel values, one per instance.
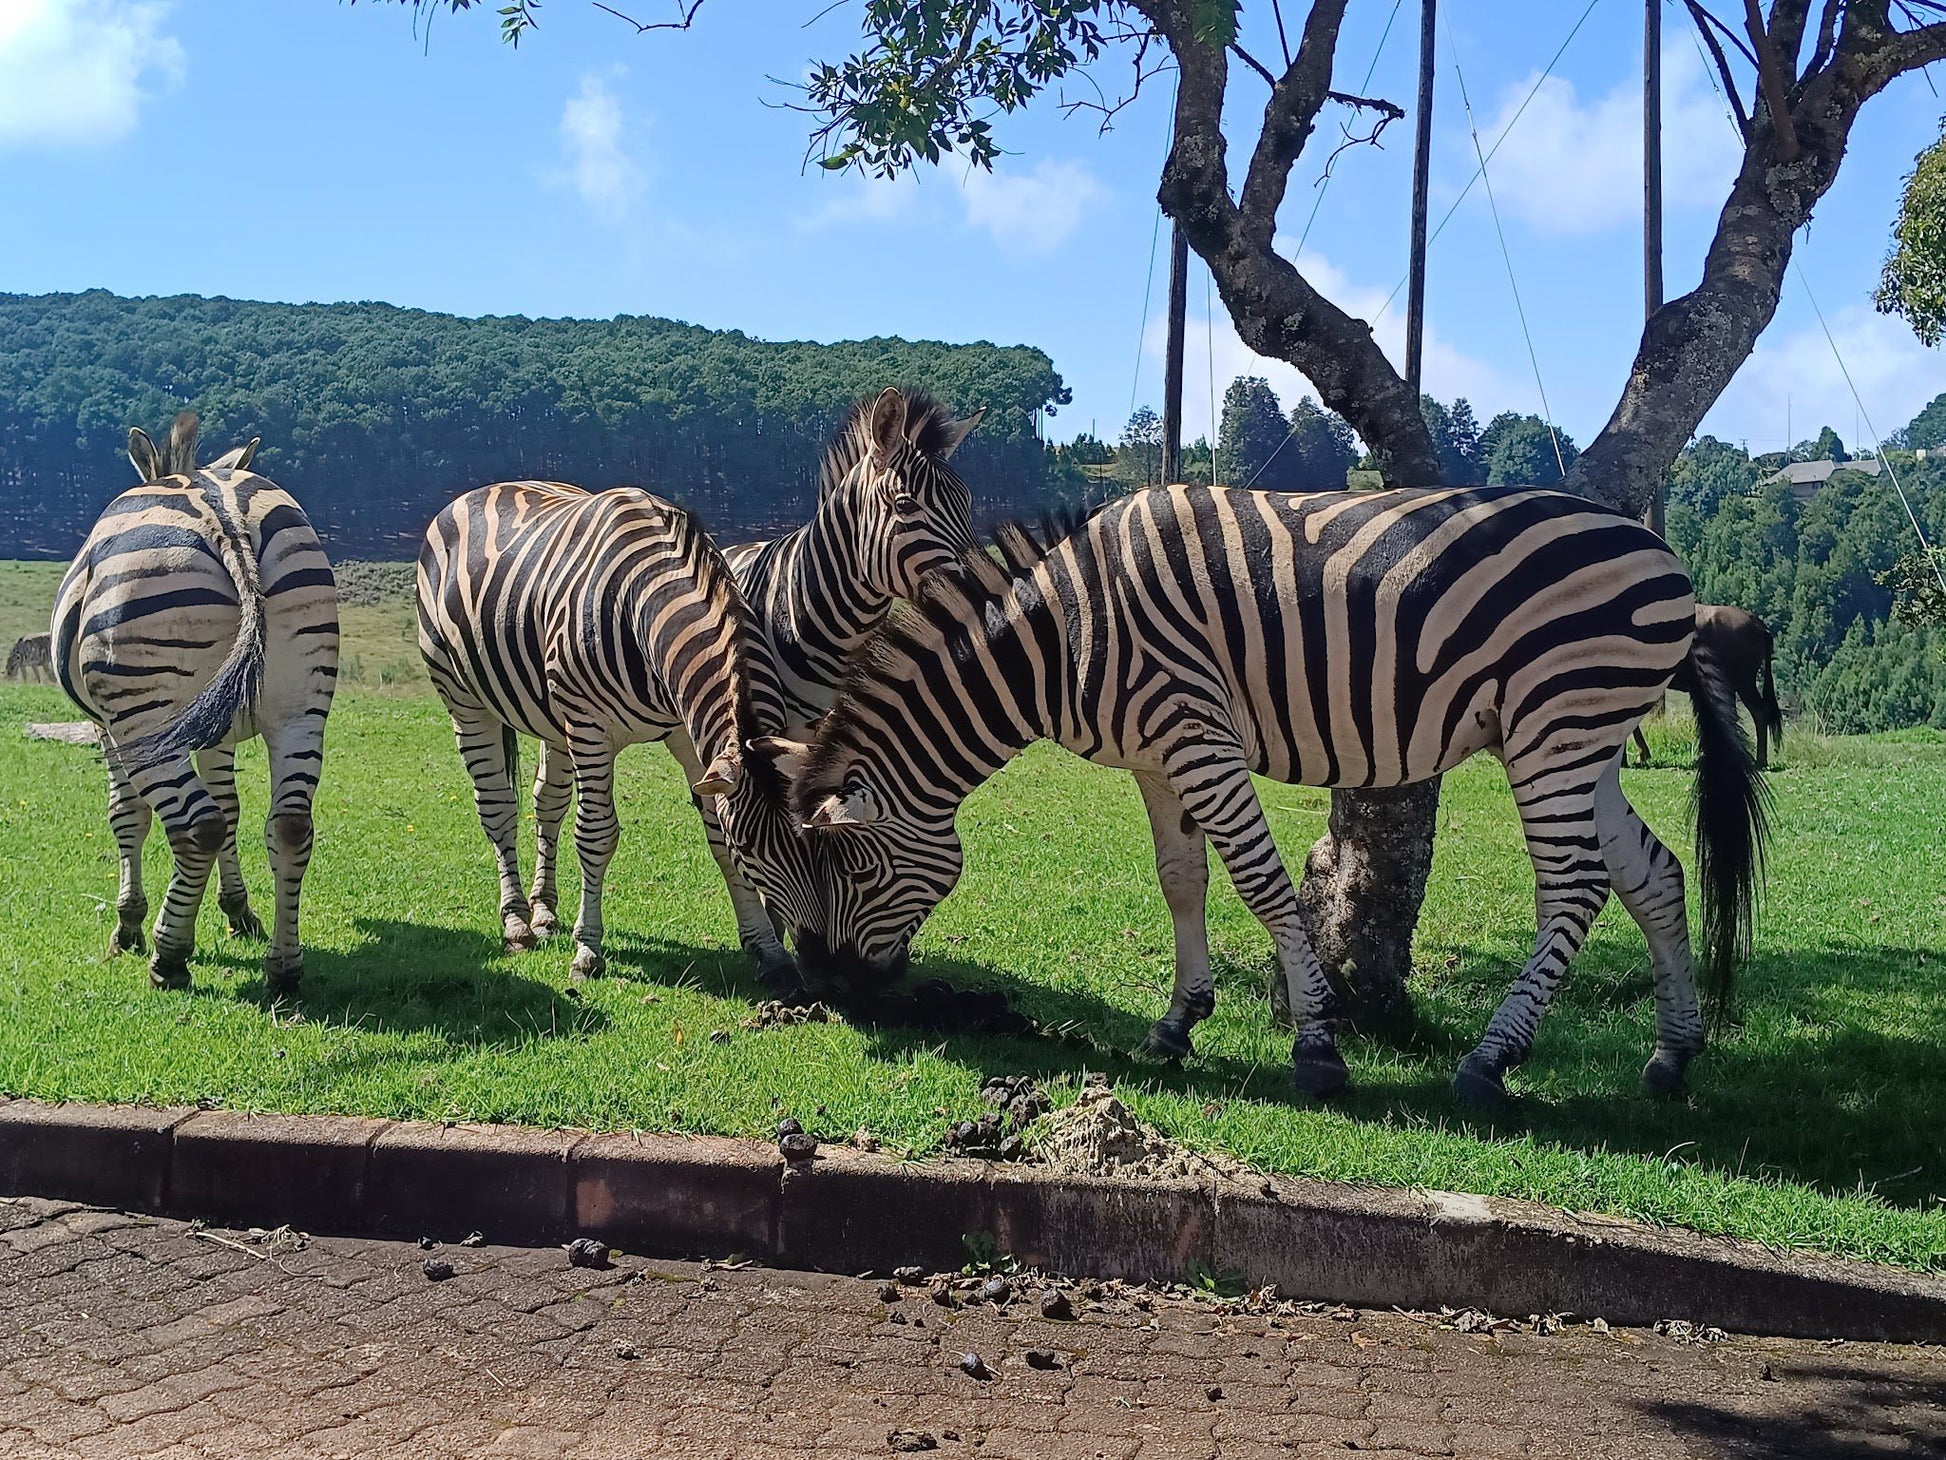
(890, 509)
(30, 654)
(201, 612)
(1195, 635)
(595, 621)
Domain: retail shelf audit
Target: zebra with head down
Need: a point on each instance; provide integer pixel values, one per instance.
(1197, 635)
(30, 655)
(200, 612)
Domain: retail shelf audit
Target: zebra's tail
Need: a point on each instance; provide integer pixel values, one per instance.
(207, 719)
(1732, 818)
(1773, 712)
(510, 749)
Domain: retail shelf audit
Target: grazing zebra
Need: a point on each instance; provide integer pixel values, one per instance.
(890, 509)
(30, 655)
(596, 621)
(1196, 635)
(1742, 644)
(201, 612)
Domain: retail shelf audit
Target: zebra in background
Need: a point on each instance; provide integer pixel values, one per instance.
(595, 621)
(890, 509)
(201, 612)
(1195, 635)
(30, 654)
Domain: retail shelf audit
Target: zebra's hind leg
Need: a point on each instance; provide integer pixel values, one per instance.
(218, 769)
(483, 745)
(1213, 784)
(129, 818)
(553, 790)
(296, 757)
(1648, 879)
(597, 832)
(1557, 813)
(195, 828)
(755, 930)
(1182, 867)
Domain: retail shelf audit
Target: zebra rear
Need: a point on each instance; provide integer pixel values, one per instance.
(201, 612)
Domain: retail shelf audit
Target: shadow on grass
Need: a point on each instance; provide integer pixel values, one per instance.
(452, 982)
(1856, 1414)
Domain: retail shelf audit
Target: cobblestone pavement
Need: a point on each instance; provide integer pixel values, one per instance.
(131, 1337)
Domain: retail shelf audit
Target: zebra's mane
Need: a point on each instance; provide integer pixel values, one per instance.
(957, 602)
(927, 423)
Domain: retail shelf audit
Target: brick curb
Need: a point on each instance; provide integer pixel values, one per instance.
(849, 1211)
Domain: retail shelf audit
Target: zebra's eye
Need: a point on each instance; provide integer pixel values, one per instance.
(905, 504)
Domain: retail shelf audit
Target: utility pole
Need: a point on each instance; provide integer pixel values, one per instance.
(1652, 190)
(1172, 357)
(1415, 298)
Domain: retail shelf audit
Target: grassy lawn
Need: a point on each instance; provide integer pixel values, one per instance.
(1816, 1120)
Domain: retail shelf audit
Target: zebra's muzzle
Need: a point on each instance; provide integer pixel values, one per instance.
(843, 973)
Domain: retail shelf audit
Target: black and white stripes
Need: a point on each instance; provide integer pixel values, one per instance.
(1197, 635)
(201, 612)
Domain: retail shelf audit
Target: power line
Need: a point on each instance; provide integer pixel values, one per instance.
(1364, 89)
(1508, 258)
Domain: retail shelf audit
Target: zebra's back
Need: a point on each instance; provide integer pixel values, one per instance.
(1374, 639)
(149, 610)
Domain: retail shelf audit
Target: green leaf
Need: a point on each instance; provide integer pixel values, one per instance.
(1215, 22)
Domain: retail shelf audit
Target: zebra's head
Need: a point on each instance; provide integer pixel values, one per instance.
(892, 859)
(886, 481)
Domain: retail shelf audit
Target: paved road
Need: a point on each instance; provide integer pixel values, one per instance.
(130, 1337)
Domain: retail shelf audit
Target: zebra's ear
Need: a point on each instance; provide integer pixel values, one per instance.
(790, 756)
(236, 459)
(857, 807)
(721, 776)
(888, 423)
(958, 431)
(143, 456)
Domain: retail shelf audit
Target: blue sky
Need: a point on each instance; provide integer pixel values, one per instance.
(306, 150)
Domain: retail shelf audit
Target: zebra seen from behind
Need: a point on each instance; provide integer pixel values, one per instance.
(201, 612)
(1196, 635)
(890, 509)
(595, 621)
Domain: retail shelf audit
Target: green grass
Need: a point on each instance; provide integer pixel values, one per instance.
(1816, 1119)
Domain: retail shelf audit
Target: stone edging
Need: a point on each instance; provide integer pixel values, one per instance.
(852, 1212)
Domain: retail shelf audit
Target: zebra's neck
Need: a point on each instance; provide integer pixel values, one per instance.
(815, 602)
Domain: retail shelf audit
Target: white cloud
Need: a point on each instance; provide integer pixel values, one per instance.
(1448, 371)
(1570, 167)
(79, 70)
(1796, 375)
(600, 166)
(855, 199)
(1031, 212)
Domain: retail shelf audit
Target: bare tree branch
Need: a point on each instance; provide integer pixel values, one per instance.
(1770, 81)
(643, 27)
(1827, 36)
(1700, 18)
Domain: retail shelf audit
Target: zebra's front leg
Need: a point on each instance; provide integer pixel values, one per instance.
(296, 757)
(597, 832)
(1557, 813)
(129, 818)
(484, 744)
(1648, 879)
(1214, 787)
(218, 769)
(553, 790)
(756, 932)
(1182, 867)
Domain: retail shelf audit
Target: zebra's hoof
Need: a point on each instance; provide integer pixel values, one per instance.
(587, 963)
(129, 939)
(1666, 1075)
(1318, 1071)
(1166, 1040)
(519, 937)
(243, 921)
(544, 924)
(281, 979)
(1478, 1084)
(167, 971)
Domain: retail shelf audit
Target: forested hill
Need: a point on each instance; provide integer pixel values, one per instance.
(374, 416)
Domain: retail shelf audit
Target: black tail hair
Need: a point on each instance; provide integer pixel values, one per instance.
(1732, 819)
(206, 720)
(510, 749)
(1773, 712)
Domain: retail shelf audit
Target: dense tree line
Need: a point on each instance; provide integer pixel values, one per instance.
(1822, 573)
(374, 416)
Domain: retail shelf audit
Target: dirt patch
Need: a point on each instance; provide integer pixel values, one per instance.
(1100, 1136)
(68, 732)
